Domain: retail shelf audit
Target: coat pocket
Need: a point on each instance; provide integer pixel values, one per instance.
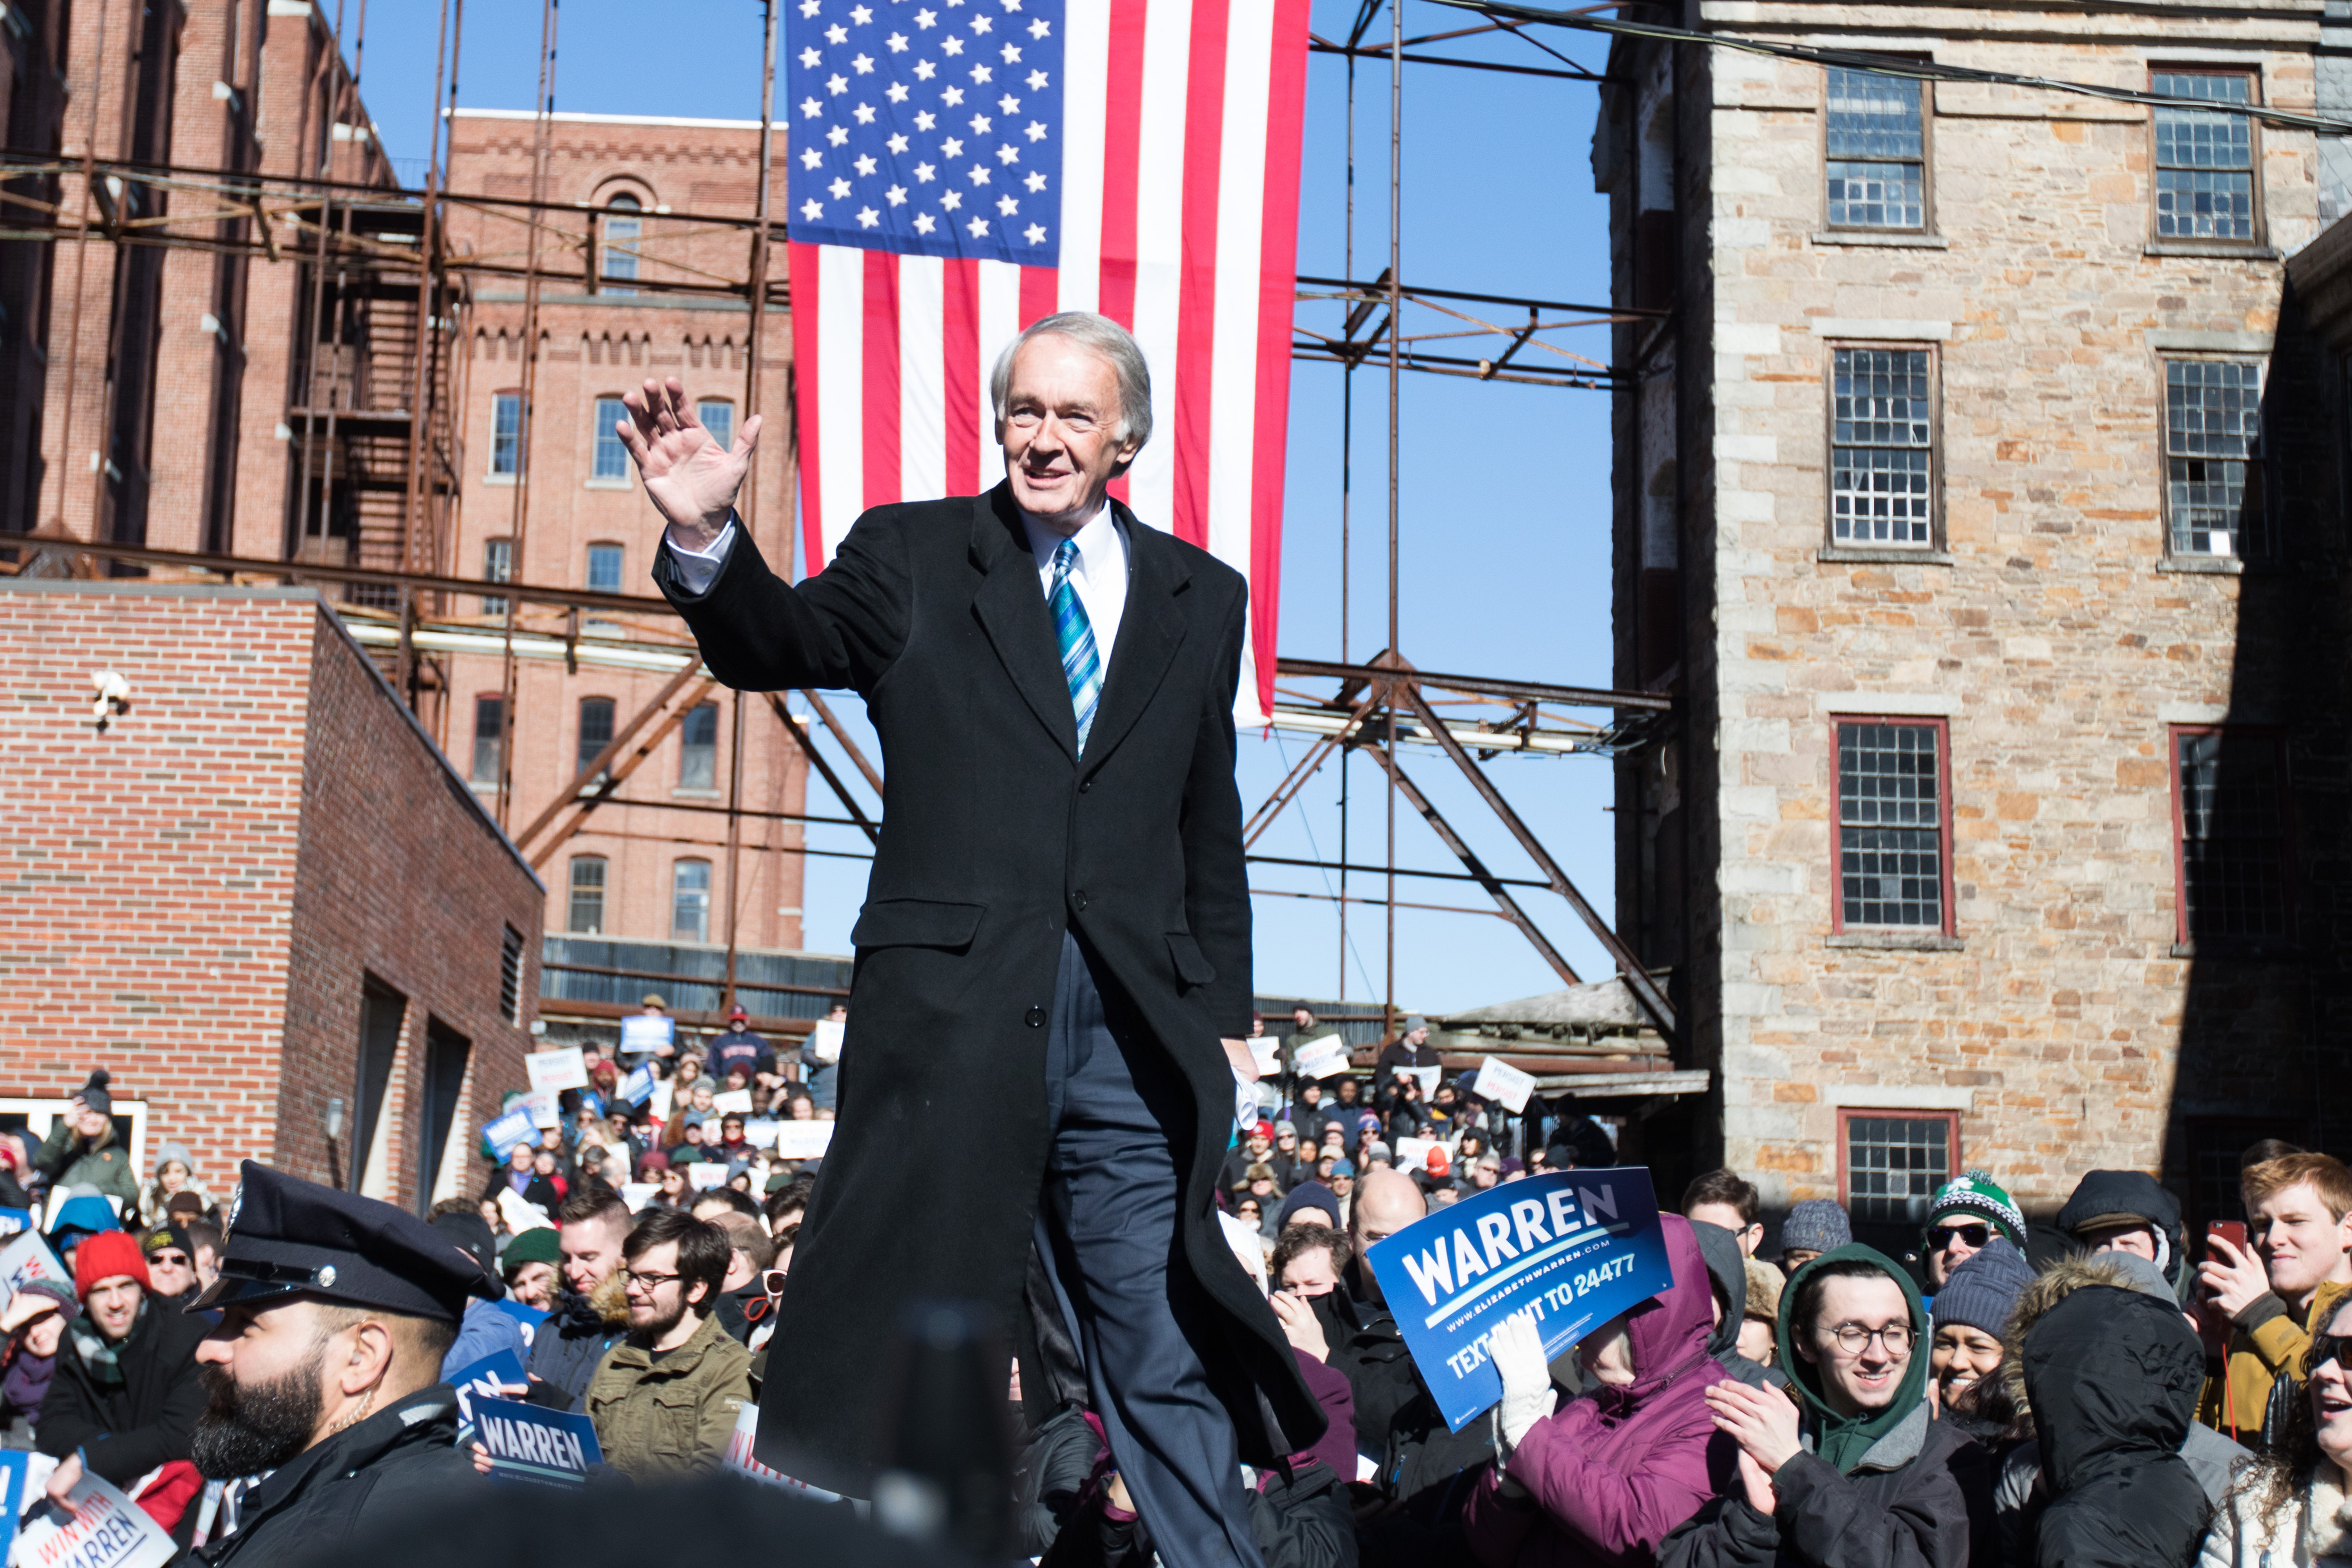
(916, 922)
(1191, 967)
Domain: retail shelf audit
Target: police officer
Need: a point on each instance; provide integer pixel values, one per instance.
(325, 1370)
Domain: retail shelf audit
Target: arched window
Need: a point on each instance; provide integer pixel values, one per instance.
(586, 916)
(689, 901)
(698, 760)
(623, 228)
(596, 728)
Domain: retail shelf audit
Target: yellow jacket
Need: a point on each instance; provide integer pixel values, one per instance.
(2257, 1358)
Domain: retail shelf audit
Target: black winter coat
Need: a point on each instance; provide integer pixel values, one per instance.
(394, 1469)
(565, 1350)
(1921, 1498)
(1300, 1519)
(2113, 1376)
(1425, 1470)
(999, 837)
(128, 1428)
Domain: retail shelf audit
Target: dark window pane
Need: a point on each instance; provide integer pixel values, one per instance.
(697, 766)
(506, 431)
(2204, 160)
(498, 566)
(1877, 152)
(689, 917)
(2233, 837)
(605, 568)
(1890, 825)
(595, 727)
(2212, 430)
(1894, 1165)
(1881, 467)
(489, 738)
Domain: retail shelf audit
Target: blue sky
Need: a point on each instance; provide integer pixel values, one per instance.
(1503, 489)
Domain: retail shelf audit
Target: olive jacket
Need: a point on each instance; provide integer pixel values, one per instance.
(670, 1418)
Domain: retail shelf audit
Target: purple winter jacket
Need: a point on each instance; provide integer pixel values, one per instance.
(1615, 1469)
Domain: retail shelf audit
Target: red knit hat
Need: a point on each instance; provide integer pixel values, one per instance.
(108, 1255)
(1435, 1162)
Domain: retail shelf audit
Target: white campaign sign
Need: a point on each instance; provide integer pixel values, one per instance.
(1427, 1078)
(1413, 1153)
(107, 1531)
(637, 1194)
(520, 1215)
(704, 1174)
(738, 1100)
(803, 1140)
(25, 1258)
(1504, 1084)
(645, 1033)
(542, 1106)
(1324, 1058)
(760, 1133)
(563, 1068)
(825, 1039)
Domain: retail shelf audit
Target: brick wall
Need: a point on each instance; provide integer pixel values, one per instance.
(190, 897)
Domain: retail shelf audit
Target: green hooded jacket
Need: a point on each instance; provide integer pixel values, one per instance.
(1842, 1440)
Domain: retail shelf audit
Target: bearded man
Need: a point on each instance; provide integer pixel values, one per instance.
(325, 1369)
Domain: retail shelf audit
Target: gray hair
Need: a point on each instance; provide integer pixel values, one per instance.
(1105, 337)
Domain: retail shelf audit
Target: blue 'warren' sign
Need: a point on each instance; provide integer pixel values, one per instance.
(1576, 1247)
(528, 1443)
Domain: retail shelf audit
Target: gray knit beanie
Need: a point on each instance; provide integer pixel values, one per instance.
(1983, 1291)
(1816, 1225)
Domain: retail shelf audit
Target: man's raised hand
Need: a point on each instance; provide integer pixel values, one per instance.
(691, 480)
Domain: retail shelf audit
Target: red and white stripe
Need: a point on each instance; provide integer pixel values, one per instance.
(1181, 134)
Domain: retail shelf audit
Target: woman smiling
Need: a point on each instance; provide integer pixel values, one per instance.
(2293, 1508)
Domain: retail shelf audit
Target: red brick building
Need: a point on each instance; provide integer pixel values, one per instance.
(257, 895)
(207, 397)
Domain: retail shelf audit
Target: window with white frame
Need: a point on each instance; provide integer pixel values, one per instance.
(622, 229)
(1882, 446)
(690, 904)
(2212, 458)
(506, 434)
(610, 458)
(717, 416)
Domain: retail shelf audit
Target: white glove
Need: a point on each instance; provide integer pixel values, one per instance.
(1516, 1347)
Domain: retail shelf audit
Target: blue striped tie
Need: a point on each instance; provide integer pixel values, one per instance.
(1080, 666)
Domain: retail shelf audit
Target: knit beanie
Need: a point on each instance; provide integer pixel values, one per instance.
(94, 1094)
(1983, 1291)
(68, 1303)
(540, 1244)
(1816, 1225)
(1976, 1193)
(105, 1256)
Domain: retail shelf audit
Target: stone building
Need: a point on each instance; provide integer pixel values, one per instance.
(253, 889)
(1977, 494)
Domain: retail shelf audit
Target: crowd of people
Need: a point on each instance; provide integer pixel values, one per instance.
(2095, 1388)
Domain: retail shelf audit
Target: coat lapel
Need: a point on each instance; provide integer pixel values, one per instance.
(1012, 609)
(1149, 632)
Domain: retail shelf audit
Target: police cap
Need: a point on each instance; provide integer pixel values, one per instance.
(282, 1236)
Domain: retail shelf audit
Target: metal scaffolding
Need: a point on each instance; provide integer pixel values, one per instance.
(389, 297)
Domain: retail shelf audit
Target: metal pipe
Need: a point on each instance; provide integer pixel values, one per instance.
(1396, 305)
(526, 416)
(66, 467)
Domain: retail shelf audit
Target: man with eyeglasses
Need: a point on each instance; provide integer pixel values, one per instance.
(1857, 1469)
(665, 1398)
(1966, 1214)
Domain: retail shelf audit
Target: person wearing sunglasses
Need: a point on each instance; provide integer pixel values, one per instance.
(2298, 1495)
(1856, 1473)
(1964, 1216)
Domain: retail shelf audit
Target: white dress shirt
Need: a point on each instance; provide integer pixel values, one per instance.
(1100, 576)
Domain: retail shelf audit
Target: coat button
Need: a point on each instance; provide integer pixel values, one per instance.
(1085, 785)
(1035, 1018)
(1079, 898)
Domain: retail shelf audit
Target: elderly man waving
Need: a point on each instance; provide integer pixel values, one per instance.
(1056, 937)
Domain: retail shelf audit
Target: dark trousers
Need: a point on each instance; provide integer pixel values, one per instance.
(1107, 1225)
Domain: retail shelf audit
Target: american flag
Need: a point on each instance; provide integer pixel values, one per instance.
(960, 167)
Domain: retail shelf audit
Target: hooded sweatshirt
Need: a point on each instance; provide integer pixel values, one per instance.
(1889, 1489)
(1617, 1468)
(1726, 1268)
(2113, 1376)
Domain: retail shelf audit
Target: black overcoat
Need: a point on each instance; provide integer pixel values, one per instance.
(997, 836)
